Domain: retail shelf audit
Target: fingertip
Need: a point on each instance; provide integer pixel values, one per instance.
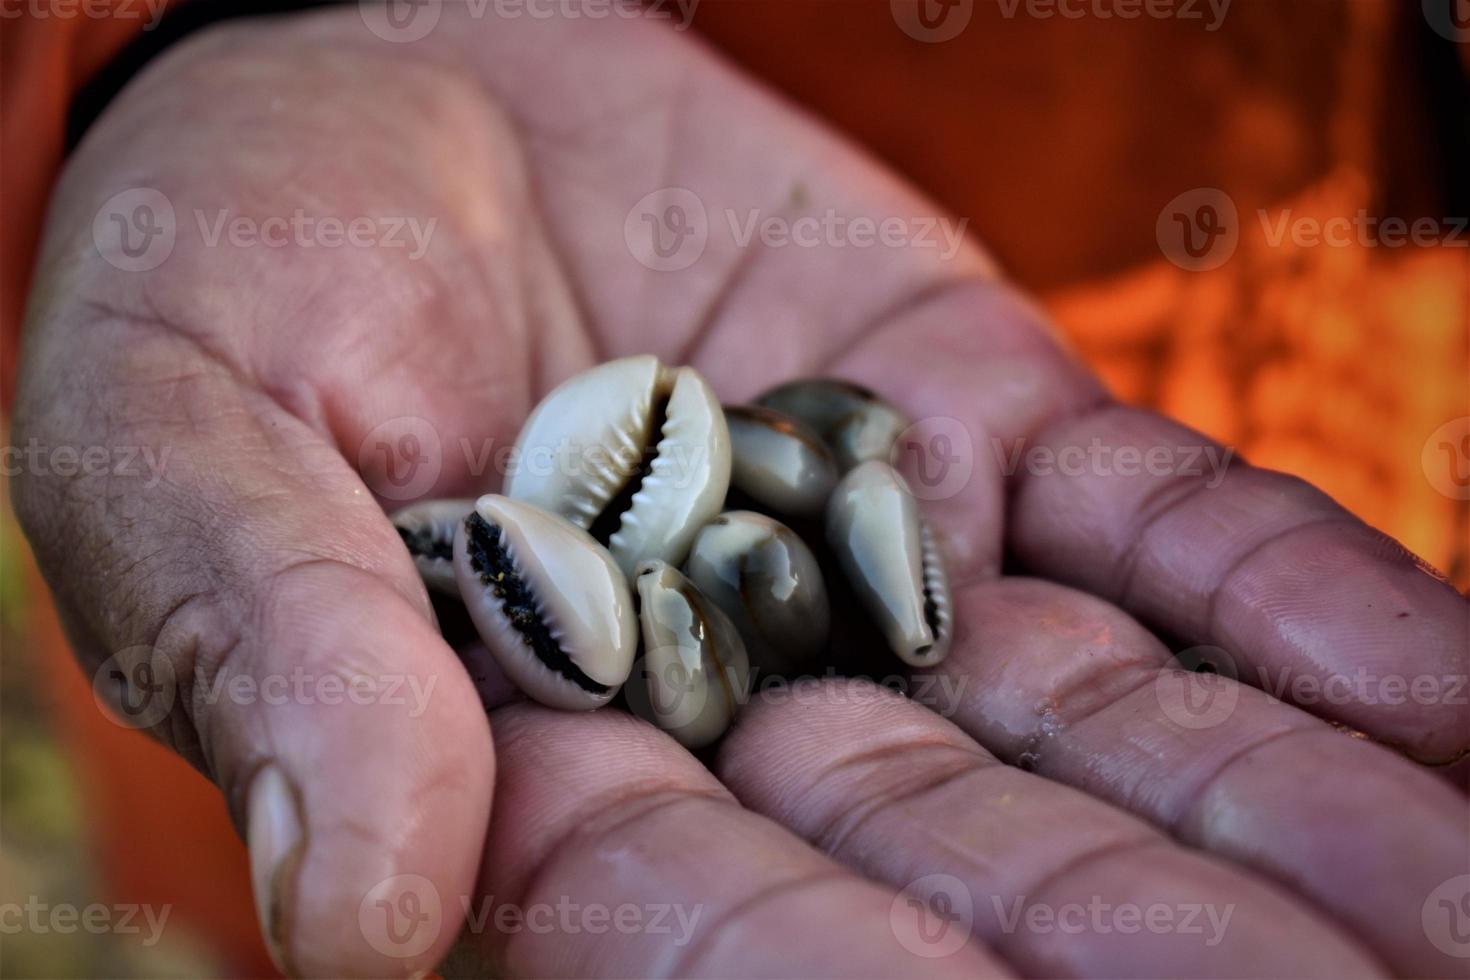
(366, 819)
(275, 837)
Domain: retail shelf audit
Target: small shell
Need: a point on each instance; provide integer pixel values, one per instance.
(697, 670)
(892, 561)
(634, 452)
(427, 529)
(856, 424)
(549, 602)
(778, 461)
(767, 581)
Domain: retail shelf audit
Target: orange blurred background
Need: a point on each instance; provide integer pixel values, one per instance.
(1064, 142)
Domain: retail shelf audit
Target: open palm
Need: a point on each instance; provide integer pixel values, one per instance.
(583, 189)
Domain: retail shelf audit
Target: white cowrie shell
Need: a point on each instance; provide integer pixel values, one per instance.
(765, 578)
(549, 602)
(779, 461)
(583, 451)
(427, 529)
(892, 561)
(698, 673)
(856, 423)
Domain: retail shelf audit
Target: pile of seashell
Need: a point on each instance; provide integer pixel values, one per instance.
(623, 473)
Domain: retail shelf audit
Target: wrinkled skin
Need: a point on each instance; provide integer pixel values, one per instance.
(266, 370)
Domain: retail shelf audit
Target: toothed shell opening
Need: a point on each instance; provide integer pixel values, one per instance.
(610, 520)
(491, 558)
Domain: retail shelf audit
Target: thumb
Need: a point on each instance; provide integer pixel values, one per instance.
(247, 601)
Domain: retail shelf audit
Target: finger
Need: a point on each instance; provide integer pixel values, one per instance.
(1054, 878)
(1240, 567)
(1073, 688)
(256, 571)
(599, 813)
(798, 304)
(288, 646)
(1299, 592)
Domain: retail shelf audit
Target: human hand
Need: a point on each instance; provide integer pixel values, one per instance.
(271, 375)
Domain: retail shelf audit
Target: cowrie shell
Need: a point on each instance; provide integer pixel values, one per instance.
(778, 461)
(634, 452)
(892, 561)
(695, 664)
(427, 529)
(548, 601)
(764, 577)
(854, 422)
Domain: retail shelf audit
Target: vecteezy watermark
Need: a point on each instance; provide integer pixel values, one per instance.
(1362, 686)
(301, 686)
(1446, 459)
(1450, 19)
(932, 21)
(135, 687)
(402, 458)
(933, 916)
(138, 229)
(1445, 916)
(566, 917)
(668, 230)
(679, 697)
(1210, 12)
(405, 21)
(1096, 459)
(148, 11)
(36, 458)
(1100, 917)
(941, 693)
(302, 230)
(936, 456)
(403, 915)
(1201, 230)
(832, 229)
(63, 918)
(135, 229)
(1200, 689)
(1361, 229)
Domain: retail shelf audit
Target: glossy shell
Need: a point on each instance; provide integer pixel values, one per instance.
(892, 562)
(695, 664)
(548, 601)
(779, 461)
(427, 530)
(855, 423)
(765, 578)
(634, 452)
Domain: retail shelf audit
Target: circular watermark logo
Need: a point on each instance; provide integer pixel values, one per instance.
(663, 691)
(1199, 230)
(933, 916)
(667, 230)
(1446, 917)
(135, 687)
(936, 457)
(1446, 459)
(401, 916)
(1202, 689)
(401, 459)
(932, 21)
(400, 21)
(135, 230)
(1449, 18)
